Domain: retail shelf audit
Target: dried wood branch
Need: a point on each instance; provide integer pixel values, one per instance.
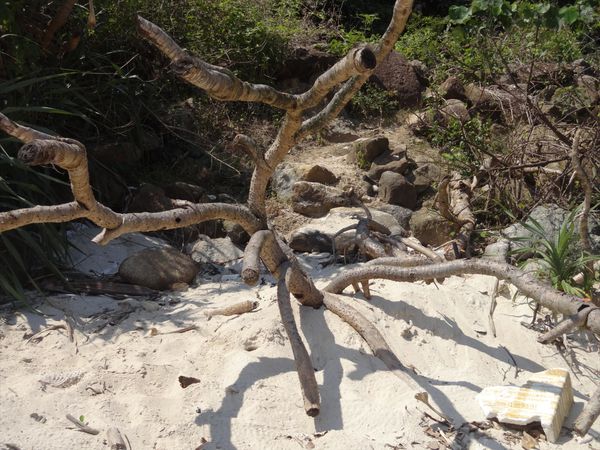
(115, 440)
(529, 286)
(589, 415)
(232, 310)
(57, 22)
(306, 372)
(82, 426)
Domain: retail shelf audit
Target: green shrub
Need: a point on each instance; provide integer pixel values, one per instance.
(560, 258)
(372, 101)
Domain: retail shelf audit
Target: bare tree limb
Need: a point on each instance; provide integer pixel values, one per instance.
(306, 372)
(371, 335)
(567, 325)
(254, 247)
(544, 294)
(590, 413)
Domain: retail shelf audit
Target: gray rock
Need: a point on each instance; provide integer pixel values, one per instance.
(158, 268)
(402, 215)
(550, 217)
(317, 235)
(216, 251)
(397, 190)
(401, 166)
(315, 199)
(283, 180)
(452, 87)
(236, 233)
(320, 174)
(424, 176)
(497, 251)
(454, 109)
(430, 227)
(364, 151)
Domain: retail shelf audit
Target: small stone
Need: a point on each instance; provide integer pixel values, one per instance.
(217, 251)
(546, 397)
(320, 174)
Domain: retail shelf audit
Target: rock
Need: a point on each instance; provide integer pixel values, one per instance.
(396, 75)
(216, 251)
(550, 217)
(402, 215)
(150, 198)
(430, 227)
(320, 174)
(506, 104)
(149, 140)
(397, 190)
(453, 88)
(420, 121)
(400, 166)
(546, 397)
(340, 131)
(317, 235)
(236, 233)
(90, 258)
(283, 181)
(185, 191)
(315, 199)
(158, 268)
(117, 153)
(364, 151)
(454, 109)
(424, 176)
(497, 251)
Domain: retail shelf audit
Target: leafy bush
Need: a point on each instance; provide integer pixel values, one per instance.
(372, 101)
(560, 258)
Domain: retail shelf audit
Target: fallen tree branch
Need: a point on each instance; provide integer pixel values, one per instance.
(306, 372)
(82, 426)
(567, 325)
(372, 337)
(590, 413)
(115, 440)
(252, 252)
(529, 286)
(231, 310)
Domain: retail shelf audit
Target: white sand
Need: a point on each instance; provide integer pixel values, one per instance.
(249, 396)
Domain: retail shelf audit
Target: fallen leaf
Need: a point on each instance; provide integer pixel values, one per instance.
(186, 381)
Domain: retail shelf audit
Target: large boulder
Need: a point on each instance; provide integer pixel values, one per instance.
(396, 75)
(317, 235)
(429, 227)
(506, 104)
(397, 190)
(315, 199)
(158, 268)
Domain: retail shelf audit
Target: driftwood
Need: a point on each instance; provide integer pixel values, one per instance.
(590, 413)
(232, 310)
(115, 440)
(82, 426)
(265, 246)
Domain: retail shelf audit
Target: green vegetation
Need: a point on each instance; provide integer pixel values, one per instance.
(561, 258)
